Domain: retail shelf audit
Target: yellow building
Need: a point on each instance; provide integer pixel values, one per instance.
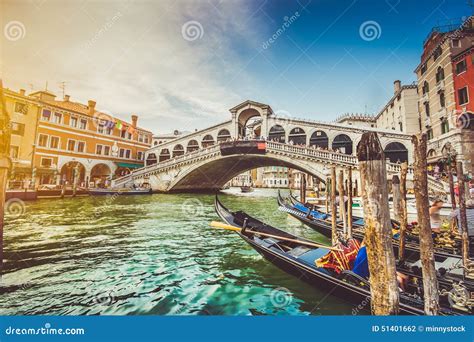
(24, 113)
(62, 138)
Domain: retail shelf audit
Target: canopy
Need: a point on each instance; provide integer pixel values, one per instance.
(129, 165)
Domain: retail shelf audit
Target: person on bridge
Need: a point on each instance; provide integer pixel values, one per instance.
(435, 217)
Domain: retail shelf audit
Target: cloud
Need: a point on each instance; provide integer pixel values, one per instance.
(131, 57)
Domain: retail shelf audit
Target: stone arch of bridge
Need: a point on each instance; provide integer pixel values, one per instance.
(212, 174)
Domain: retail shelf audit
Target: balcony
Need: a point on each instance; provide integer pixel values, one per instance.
(440, 86)
(424, 98)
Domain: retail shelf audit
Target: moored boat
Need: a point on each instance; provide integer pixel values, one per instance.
(246, 189)
(295, 256)
(321, 222)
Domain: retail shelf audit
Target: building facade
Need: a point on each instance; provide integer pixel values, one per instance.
(401, 111)
(71, 141)
(440, 103)
(275, 177)
(24, 113)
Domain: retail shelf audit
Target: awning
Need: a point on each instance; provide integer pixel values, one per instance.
(129, 165)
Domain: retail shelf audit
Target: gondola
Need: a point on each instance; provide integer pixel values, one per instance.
(297, 258)
(320, 222)
(246, 189)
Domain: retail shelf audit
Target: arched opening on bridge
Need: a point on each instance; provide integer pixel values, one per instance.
(396, 152)
(178, 150)
(193, 145)
(249, 122)
(297, 136)
(100, 173)
(223, 135)
(69, 169)
(343, 143)
(319, 139)
(151, 159)
(277, 133)
(164, 155)
(207, 141)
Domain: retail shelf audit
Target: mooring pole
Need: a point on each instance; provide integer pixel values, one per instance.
(378, 231)
(349, 203)
(397, 205)
(342, 205)
(327, 185)
(403, 212)
(356, 189)
(333, 206)
(463, 216)
(303, 188)
(430, 282)
(451, 186)
(5, 164)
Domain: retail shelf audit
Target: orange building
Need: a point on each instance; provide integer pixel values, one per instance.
(75, 139)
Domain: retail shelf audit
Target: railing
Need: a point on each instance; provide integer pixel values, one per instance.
(275, 147)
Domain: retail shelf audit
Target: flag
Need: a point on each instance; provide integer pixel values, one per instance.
(118, 124)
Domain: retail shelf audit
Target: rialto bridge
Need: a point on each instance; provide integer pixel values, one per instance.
(197, 161)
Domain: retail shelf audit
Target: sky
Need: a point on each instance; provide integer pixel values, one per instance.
(182, 64)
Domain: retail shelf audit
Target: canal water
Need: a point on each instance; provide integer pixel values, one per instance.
(149, 255)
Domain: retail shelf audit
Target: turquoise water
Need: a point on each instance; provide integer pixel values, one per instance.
(149, 255)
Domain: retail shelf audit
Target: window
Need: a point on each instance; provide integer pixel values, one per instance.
(426, 88)
(46, 115)
(461, 67)
(437, 53)
(100, 128)
(128, 154)
(429, 134)
(21, 108)
(81, 146)
(439, 74)
(401, 126)
(456, 43)
(73, 121)
(18, 128)
(140, 155)
(108, 130)
(14, 152)
(121, 153)
(83, 124)
(444, 126)
(462, 96)
(427, 109)
(442, 100)
(46, 162)
(106, 150)
(71, 145)
(423, 69)
(140, 138)
(54, 142)
(123, 133)
(98, 149)
(58, 118)
(43, 140)
(147, 139)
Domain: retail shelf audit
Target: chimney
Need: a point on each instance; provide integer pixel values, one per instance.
(134, 120)
(66, 98)
(397, 85)
(91, 106)
(22, 92)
